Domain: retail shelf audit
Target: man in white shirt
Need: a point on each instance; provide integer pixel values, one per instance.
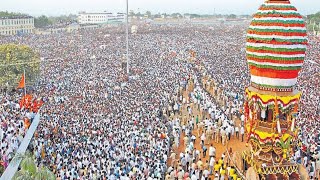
(193, 138)
(211, 164)
(180, 174)
(206, 173)
(305, 161)
(216, 176)
(242, 133)
(175, 108)
(297, 155)
(187, 157)
(193, 176)
(203, 139)
(173, 158)
(212, 151)
(237, 132)
(197, 154)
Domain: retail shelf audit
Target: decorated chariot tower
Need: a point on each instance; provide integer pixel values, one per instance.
(276, 46)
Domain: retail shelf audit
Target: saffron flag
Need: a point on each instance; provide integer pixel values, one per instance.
(21, 83)
(26, 101)
(36, 105)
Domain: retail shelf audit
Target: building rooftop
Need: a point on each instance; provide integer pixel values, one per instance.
(102, 13)
(95, 13)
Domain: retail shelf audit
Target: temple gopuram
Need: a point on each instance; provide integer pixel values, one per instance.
(275, 48)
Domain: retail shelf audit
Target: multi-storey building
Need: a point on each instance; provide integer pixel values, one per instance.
(101, 18)
(16, 25)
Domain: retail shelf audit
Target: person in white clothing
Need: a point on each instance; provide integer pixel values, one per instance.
(242, 133)
(212, 151)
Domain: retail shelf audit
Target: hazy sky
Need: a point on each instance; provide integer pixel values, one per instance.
(57, 7)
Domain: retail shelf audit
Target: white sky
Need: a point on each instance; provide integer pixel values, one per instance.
(57, 7)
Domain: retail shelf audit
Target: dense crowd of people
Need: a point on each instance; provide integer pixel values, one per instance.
(208, 125)
(231, 76)
(15, 121)
(98, 123)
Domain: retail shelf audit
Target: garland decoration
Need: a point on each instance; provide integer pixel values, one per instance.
(267, 100)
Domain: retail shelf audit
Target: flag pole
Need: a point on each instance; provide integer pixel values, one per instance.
(24, 79)
(127, 36)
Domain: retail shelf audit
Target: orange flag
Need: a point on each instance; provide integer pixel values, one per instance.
(21, 83)
(26, 101)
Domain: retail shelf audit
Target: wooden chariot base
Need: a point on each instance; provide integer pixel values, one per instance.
(260, 170)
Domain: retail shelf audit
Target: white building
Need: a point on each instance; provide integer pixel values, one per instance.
(16, 25)
(101, 18)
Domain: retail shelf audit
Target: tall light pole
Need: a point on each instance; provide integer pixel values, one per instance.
(127, 38)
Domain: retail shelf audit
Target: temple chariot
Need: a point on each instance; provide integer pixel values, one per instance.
(276, 46)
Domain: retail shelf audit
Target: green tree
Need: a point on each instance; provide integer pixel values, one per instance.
(29, 170)
(42, 21)
(139, 14)
(14, 59)
(195, 16)
(176, 15)
(63, 19)
(148, 13)
(1, 168)
(313, 21)
(232, 16)
(10, 14)
(165, 15)
(157, 15)
(131, 13)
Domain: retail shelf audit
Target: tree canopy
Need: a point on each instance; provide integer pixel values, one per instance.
(29, 169)
(63, 19)
(10, 14)
(14, 59)
(42, 21)
(148, 13)
(313, 21)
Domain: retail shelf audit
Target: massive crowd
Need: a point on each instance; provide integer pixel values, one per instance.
(208, 125)
(14, 124)
(97, 123)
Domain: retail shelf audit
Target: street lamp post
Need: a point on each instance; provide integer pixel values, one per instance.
(127, 37)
